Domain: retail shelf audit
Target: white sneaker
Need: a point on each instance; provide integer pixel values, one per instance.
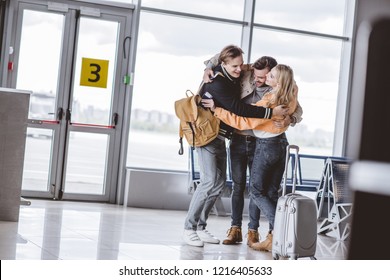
(207, 237)
(191, 238)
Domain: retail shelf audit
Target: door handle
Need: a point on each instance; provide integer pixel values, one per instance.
(60, 113)
(58, 119)
(68, 115)
(115, 117)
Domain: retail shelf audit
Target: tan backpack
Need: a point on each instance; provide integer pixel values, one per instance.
(197, 124)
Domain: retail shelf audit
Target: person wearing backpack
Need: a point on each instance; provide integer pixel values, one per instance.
(271, 143)
(243, 143)
(225, 91)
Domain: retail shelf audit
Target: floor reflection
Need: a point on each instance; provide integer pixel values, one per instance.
(50, 230)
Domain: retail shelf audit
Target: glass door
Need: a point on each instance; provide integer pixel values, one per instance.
(72, 58)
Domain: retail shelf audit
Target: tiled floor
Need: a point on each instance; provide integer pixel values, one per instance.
(53, 230)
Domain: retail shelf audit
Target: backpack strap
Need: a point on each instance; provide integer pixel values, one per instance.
(181, 149)
(193, 135)
(218, 74)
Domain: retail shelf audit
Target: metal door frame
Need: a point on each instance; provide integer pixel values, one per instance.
(126, 53)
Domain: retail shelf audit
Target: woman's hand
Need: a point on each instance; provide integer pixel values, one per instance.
(280, 111)
(208, 103)
(281, 123)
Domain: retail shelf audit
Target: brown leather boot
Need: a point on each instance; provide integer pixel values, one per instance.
(234, 236)
(252, 237)
(265, 245)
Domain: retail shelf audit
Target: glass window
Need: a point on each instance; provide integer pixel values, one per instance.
(36, 169)
(229, 9)
(42, 54)
(322, 16)
(316, 65)
(85, 166)
(122, 1)
(92, 104)
(170, 56)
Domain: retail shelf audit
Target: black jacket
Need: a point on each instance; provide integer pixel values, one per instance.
(226, 92)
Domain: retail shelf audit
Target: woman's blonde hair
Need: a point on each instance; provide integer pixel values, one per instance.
(285, 92)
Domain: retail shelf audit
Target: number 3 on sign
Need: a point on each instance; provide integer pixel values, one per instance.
(94, 72)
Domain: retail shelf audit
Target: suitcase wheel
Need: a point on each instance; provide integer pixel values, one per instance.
(293, 257)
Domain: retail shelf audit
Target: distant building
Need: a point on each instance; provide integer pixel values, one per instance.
(154, 116)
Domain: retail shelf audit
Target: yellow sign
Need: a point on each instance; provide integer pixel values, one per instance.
(94, 72)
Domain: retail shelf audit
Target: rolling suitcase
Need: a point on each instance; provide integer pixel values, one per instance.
(295, 228)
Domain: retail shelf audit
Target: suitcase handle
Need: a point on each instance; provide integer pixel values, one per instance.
(295, 167)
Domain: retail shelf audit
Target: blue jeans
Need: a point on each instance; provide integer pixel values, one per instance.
(242, 149)
(267, 173)
(212, 163)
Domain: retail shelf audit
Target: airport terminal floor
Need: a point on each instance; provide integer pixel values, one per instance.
(67, 230)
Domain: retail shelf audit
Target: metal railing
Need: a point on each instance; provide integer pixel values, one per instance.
(309, 173)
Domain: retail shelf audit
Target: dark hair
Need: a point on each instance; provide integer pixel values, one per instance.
(265, 62)
(230, 51)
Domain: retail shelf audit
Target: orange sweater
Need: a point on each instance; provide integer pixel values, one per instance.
(242, 123)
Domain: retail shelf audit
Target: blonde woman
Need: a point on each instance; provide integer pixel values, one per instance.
(269, 159)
